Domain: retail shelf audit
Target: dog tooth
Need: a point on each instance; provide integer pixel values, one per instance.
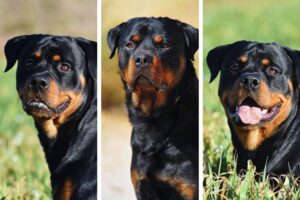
(264, 111)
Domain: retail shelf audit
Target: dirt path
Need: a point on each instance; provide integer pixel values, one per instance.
(116, 156)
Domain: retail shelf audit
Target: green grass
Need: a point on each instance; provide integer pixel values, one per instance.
(23, 169)
(226, 21)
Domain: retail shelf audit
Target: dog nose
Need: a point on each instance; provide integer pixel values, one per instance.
(250, 81)
(39, 83)
(142, 60)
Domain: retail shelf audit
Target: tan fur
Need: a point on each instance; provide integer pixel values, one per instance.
(136, 178)
(56, 58)
(252, 136)
(183, 187)
(65, 192)
(147, 98)
(53, 98)
(158, 39)
(243, 59)
(76, 100)
(48, 127)
(136, 38)
(265, 61)
(37, 54)
(82, 80)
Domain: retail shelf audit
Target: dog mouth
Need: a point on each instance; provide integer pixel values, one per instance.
(37, 107)
(249, 112)
(145, 82)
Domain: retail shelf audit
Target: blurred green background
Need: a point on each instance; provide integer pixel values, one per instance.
(227, 21)
(116, 130)
(23, 169)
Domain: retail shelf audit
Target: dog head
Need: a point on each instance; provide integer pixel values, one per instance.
(257, 85)
(152, 54)
(53, 74)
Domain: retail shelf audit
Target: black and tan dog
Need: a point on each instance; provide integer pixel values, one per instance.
(155, 61)
(259, 92)
(56, 82)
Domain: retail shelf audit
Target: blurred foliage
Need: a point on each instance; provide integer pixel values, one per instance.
(226, 21)
(23, 169)
(68, 17)
(116, 12)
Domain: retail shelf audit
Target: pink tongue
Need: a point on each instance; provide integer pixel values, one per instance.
(249, 115)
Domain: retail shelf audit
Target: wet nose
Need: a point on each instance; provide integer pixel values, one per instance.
(39, 83)
(142, 60)
(250, 81)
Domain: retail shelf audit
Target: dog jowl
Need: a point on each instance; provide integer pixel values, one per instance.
(56, 82)
(155, 63)
(259, 92)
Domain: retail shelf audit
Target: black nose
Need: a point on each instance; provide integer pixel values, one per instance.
(142, 60)
(39, 83)
(250, 81)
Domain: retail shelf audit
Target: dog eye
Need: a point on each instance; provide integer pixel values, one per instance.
(65, 67)
(28, 63)
(272, 71)
(234, 68)
(130, 45)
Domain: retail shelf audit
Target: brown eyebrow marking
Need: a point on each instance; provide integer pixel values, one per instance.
(266, 61)
(136, 38)
(243, 59)
(37, 54)
(56, 58)
(158, 39)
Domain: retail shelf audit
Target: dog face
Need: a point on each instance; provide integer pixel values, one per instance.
(152, 55)
(257, 83)
(52, 73)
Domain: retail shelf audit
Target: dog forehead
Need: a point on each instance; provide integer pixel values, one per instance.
(150, 27)
(53, 45)
(63, 44)
(272, 51)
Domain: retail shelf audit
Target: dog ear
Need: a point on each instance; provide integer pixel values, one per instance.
(90, 50)
(216, 56)
(295, 57)
(113, 38)
(13, 48)
(191, 36)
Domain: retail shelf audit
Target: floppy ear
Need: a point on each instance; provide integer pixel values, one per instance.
(13, 48)
(295, 57)
(113, 38)
(216, 56)
(90, 50)
(191, 36)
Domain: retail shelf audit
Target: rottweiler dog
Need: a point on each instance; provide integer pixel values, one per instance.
(155, 63)
(259, 91)
(56, 82)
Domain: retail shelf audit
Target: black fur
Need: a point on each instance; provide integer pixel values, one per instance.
(72, 154)
(164, 142)
(278, 153)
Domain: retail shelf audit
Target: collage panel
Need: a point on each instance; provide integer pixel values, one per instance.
(251, 98)
(150, 57)
(150, 99)
(48, 99)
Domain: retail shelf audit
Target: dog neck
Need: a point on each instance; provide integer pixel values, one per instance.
(151, 133)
